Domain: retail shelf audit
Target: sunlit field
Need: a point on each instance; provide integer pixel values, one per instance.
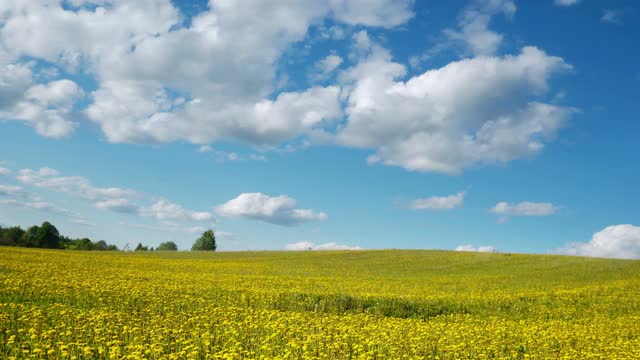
(316, 305)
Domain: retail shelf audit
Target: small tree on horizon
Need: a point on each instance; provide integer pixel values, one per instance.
(206, 242)
(167, 246)
(140, 247)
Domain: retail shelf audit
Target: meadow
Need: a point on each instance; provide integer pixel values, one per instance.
(316, 305)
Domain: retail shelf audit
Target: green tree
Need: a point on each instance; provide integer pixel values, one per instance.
(141, 248)
(206, 242)
(30, 237)
(11, 236)
(100, 245)
(83, 244)
(167, 246)
(48, 236)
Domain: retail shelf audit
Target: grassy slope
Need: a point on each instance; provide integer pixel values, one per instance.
(333, 305)
(398, 283)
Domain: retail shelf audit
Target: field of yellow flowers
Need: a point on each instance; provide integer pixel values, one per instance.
(316, 305)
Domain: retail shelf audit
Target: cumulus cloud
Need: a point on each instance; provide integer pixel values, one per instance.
(15, 79)
(524, 208)
(279, 210)
(476, 111)
(139, 117)
(46, 107)
(323, 68)
(615, 241)
(166, 210)
(215, 78)
(439, 202)
(566, 2)
(159, 80)
(385, 13)
(4, 171)
(474, 22)
(468, 247)
(305, 245)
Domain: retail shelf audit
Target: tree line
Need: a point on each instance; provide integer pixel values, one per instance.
(46, 236)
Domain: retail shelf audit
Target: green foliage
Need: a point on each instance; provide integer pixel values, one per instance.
(206, 242)
(47, 236)
(82, 244)
(140, 247)
(30, 237)
(167, 246)
(44, 236)
(100, 245)
(11, 236)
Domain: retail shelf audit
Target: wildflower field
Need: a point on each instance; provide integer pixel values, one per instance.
(316, 305)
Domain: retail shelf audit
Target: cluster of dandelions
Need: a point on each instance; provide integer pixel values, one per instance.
(366, 305)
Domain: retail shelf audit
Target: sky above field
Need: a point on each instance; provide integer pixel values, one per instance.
(325, 124)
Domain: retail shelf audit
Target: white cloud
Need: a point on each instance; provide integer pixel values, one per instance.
(566, 2)
(257, 157)
(138, 116)
(42, 206)
(323, 68)
(83, 222)
(232, 156)
(439, 202)
(75, 185)
(280, 210)
(13, 191)
(483, 110)
(335, 32)
(305, 245)
(613, 16)
(416, 61)
(166, 210)
(15, 79)
(615, 241)
(117, 205)
(109, 198)
(468, 247)
(160, 82)
(19, 197)
(45, 107)
(225, 156)
(4, 171)
(385, 13)
(196, 229)
(474, 22)
(524, 208)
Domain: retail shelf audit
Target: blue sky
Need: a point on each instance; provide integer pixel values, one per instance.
(472, 125)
